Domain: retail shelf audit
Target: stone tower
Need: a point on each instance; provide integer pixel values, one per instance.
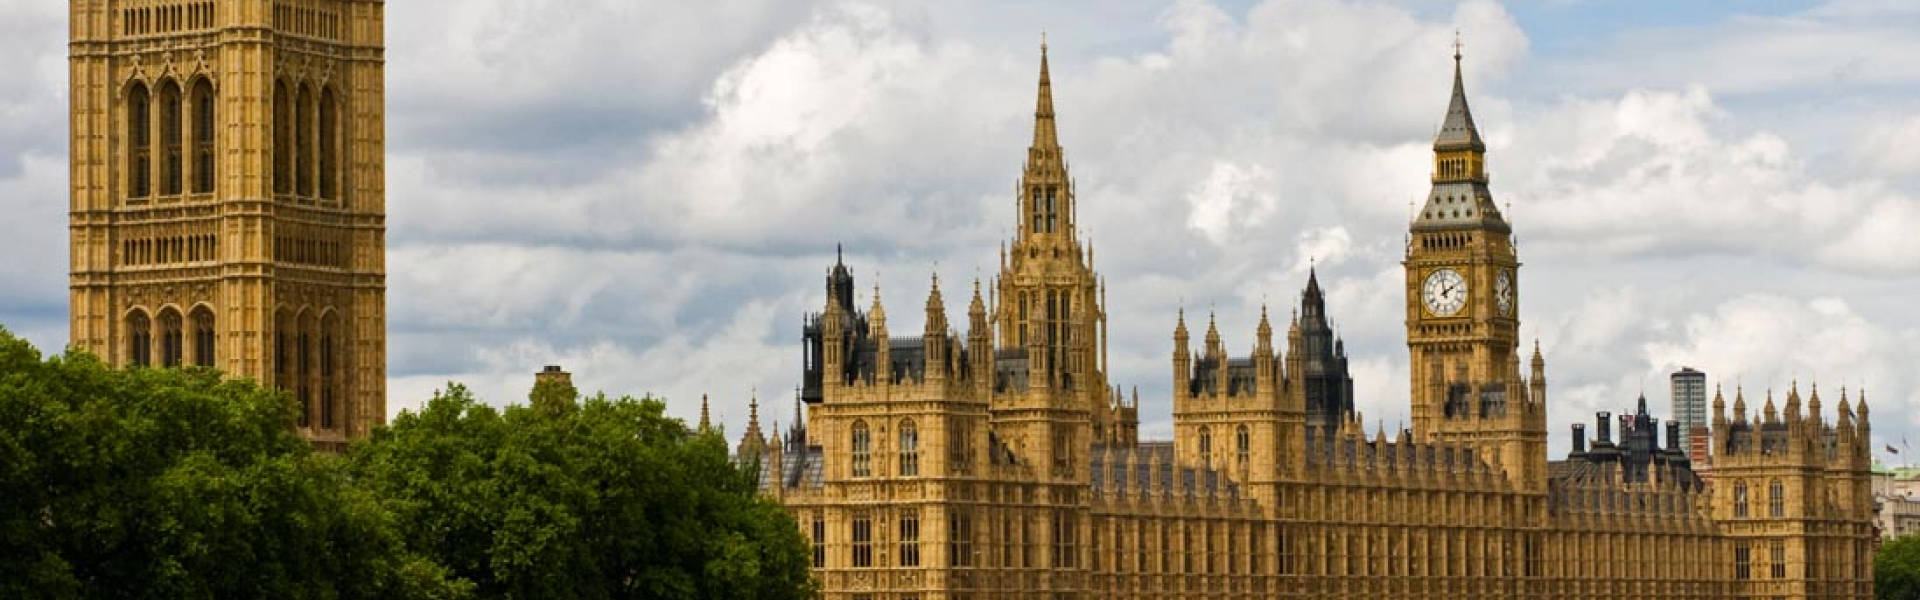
(1462, 311)
(228, 197)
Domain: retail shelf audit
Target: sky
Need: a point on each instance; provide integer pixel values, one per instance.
(649, 192)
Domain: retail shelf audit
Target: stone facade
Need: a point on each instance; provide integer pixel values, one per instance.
(999, 462)
(228, 195)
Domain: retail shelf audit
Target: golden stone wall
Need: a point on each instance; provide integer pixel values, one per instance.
(228, 195)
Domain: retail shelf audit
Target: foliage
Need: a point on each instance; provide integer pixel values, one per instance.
(570, 498)
(1896, 569)
(168, 483)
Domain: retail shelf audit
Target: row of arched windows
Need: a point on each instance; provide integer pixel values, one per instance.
(308, 360)
(163, 341)
(170, 249)
(306, 141)
(158, 156)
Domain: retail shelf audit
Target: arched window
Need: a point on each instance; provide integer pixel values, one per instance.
(172, 160)
(171, 339)
(1740, 500)
(1243, 443)
(329, 372)
(203, 167)
(139, 339)
(1206, 446)
(909, 449)
(1776, 499)
(329, 145)
(139, 142)
(203, 338)
(862, 450)
(303, 140)
(302, 368)
(282, 139)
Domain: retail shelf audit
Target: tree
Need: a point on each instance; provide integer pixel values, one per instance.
(168, 483)
(581, 498)
(1896, 569)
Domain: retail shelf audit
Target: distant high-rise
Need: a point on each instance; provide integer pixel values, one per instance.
(1689, 402)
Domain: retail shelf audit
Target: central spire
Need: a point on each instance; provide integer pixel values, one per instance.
(1044, 135)
(1458, 132)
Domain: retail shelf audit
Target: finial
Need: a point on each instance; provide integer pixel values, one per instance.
(1043, 40)
(1456, 45)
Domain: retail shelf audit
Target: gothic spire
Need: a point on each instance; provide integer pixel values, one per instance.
(1458, 132)
(1044, 135)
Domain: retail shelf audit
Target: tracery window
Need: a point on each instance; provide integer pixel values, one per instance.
(909, 449)
(170, 134)
(139, 140)
(203, 337)
(303, 139)
(203, 160)
(862, 540)
(1777, 561)
(1206, 447)
(283, 147)
(1243, 442)
(329, 146)
(171, 339)
(1776, 499)
(862, 450)
(139, 340)
(1740, 500)
(909, 536)
(819, 541)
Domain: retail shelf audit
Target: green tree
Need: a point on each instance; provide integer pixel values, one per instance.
(1896, 569)
(170, 483)
(573, 498)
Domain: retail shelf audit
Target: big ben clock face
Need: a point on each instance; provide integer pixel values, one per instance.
(1444, 292)
(1503, 293)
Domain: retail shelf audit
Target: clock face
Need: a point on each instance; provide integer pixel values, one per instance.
(1503, 293)
(1444, 292)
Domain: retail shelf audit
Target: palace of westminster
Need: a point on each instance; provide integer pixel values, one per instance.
(228, 210)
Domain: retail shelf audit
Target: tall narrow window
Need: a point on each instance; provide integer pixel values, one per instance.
(203, 337)
(139, 340)
(909, 449)
(139, 142)
(1776, 499)
(909, 539)
(1206, 447)
(1742, 561)
(172, 160)
(170, 339)
(203, 167)
(303, 389)
(960, 539)
(862, 450)
(282, 139)
(862, 541)
(303, 142)
(328, 382)
(329, 145)
(1243, 443)
(1740, 500)
(1777, 560)
(819, 541)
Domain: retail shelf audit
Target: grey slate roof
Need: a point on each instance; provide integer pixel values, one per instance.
(1458, 131)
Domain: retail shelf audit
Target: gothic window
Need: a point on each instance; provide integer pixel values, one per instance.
(303, 389)
(1777, 559)
(1038, 220)
(1776, 499)
(957, 454)
(329, 145)
(1053, 217)
(1740, 500)
(303, 140)
(1243, 442)
(171, 339)
(170, 130)
(1063, 449)
(960, 536)
(819, 541)
(909, 536)
(909, 449)
(1206, 447)
(139, 142)
(203, 167)
(1025, 299)
(862, 540)
(329, 380)
(282, 139)
(1742, 561)
(862, 450)
(203, 337)
(139, 340)
(1063, 538)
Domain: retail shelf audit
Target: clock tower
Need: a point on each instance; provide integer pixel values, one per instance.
(1462, 312)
